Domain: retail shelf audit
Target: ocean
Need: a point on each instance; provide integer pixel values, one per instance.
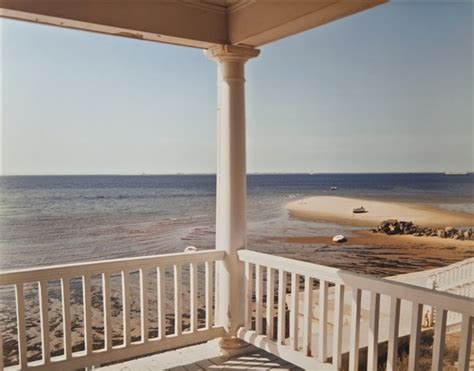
(47, 220)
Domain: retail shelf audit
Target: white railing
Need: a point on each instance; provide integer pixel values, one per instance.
(100, 275)
(453, 276)
(458, 279)
(311, 335)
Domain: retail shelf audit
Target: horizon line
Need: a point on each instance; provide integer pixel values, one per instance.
(249, 173)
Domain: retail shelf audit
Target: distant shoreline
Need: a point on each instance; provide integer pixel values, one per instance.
(250, 173)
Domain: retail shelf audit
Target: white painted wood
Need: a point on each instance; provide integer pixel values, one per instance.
(138, 349)
(126, 307)
(178, 300)
(283, 351)
(193, 278)
(453, 275)
(209, 294)
(257, 23)
(248, 295)
(465, 343)
(231, 197)
(383, 286)
(281, 306)
(393, 333)
(295, 285)
(168, 22)
(1, 351)
(415, 335)
(161, 294)
(103, 266)
(66, 306)
(20, 315)
(144, 320)
(338, 326)
(308, 316)
(372, 355)
(355, 330)
(109, 353)
(107, 298)
(258, 298)
(270, 299)
(439, 339)
(44, 315)
(323, 320)
(87, 300)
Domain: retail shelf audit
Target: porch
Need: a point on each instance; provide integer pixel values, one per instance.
(110, 311)
(307, 331)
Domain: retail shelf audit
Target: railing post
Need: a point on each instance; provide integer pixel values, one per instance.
(231, 218)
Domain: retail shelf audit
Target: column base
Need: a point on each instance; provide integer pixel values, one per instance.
(232, 346)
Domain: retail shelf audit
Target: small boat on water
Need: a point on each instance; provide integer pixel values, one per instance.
(333, 188)
(455, 173)
(359, 210)
(339, 238)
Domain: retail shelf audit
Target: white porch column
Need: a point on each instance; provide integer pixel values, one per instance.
(231, 218)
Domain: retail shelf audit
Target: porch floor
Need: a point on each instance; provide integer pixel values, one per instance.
(204, 357)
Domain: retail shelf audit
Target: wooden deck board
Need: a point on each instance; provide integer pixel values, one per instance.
(204, 357)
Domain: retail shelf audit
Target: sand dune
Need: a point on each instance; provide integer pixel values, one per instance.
(339, 210)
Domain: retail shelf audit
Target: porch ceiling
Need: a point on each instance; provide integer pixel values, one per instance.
(196, 23)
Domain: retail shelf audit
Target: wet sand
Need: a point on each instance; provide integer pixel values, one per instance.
(374, 254)
(339, 210)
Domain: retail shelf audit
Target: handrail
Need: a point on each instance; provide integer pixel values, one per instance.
(151, 270)
(452, 276)
(383, 286)
(109, 266)
(405, 311)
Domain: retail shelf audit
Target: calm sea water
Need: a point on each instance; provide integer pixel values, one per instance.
(58, 219)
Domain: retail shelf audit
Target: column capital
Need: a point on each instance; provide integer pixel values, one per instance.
(221, 53)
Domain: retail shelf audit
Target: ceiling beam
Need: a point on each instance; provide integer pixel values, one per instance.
(265, 21)
(196, 23)
(187, 23)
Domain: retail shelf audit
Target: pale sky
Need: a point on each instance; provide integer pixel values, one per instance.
(386, 90)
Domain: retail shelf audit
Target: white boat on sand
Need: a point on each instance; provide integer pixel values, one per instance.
(339, 238)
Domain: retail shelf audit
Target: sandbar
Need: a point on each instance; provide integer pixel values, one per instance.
(339, 210)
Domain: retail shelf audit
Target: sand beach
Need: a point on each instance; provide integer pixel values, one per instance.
(339, 210)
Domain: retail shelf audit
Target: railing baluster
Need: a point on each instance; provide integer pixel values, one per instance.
(372, 356)
(270, 299)
(178, 300)
(1, 351)
(144, 323)
(43, 303)
(439, 339)
(209, 294)
(415, 334)
(193, 278)
(20, 315)
(107, 310)
(258, 298)
(248, 295)
(127, 338)
(308, 315)
(393, 333)
(160, 273)
(281, 306)
(66, 298)
(465, 343)
(87, 301)
(323, 320)
(295, 284)
(338, 324)
(355, 329)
